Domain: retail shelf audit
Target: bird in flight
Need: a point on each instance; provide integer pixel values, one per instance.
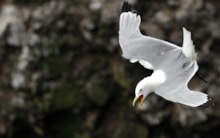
(173, 66)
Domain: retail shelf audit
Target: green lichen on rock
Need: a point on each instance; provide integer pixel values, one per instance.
(131, 130)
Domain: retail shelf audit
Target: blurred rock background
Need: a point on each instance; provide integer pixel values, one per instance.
(62, 74)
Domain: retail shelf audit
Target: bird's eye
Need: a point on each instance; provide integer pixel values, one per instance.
(140, 91)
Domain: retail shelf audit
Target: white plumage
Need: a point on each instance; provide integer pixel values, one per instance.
(173, 66)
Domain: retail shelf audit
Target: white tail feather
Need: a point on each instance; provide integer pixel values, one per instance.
(188, 46)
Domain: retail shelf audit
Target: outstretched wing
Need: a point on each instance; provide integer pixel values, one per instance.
(185, 96)
(144, 63)
(176, 89)
(136, 46)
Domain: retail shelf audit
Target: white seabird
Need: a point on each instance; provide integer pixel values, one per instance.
(173, 66)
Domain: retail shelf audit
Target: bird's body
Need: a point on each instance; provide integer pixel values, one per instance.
(173, 66)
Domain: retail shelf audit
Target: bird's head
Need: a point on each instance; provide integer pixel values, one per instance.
(141, 91)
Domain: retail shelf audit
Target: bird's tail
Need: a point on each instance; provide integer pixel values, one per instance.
(188, 46)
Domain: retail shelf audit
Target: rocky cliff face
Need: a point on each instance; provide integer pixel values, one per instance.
(62, 73)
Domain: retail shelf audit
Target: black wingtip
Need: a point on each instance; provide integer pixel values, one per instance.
(126, 7)
(201, 78)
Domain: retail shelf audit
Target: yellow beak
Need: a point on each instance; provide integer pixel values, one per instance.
(136, 98)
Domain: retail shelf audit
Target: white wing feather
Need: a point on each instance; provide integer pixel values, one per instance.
(175, 89)
(145, 64)
(136, 46)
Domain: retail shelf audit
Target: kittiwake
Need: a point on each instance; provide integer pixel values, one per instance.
(173, 66)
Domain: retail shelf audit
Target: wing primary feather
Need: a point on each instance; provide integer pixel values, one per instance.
(126, 7)
(201, 78)
(129, 22)
(192, 98)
